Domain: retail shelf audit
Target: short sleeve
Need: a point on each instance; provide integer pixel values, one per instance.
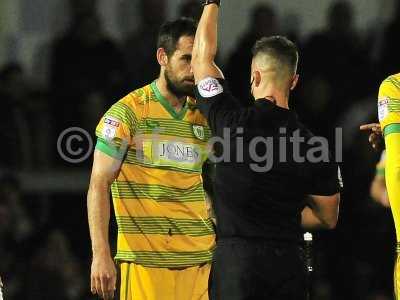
(116, 130)
(326, 179)
(219, 106)
(389, 104)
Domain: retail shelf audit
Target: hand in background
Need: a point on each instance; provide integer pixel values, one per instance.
(375, 137)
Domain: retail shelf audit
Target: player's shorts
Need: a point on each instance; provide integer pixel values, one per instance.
(144, 283)
(396, 275)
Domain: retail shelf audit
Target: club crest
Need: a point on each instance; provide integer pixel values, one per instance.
(199, 132)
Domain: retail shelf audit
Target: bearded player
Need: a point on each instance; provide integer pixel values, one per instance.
(150, 151)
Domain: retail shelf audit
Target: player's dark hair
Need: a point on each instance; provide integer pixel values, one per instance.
(280, 48)
(172, 31)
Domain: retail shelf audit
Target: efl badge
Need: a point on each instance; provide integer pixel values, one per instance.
(110, 128)
(210, 87)
(383, 108)
(111, 122)
(199, 132)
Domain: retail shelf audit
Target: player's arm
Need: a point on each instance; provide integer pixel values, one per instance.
(205, 44)
(392, 173)
(389, 117)
(103, 273)
(115, 133)
(321, 212)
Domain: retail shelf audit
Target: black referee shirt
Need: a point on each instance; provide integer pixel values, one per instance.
(262, 182)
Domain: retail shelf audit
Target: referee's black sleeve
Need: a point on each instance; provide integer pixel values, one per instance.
(219, 106)
(326, 179)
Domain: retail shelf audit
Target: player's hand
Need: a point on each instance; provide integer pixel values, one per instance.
(375, 137)
(103, 276)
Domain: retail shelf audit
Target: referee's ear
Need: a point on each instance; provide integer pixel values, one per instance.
(162, 57)
(295, 80)
(257, 78)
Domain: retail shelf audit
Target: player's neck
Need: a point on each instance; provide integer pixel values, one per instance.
(176, 102)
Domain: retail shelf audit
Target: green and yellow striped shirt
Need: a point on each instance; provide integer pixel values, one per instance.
(158, 197)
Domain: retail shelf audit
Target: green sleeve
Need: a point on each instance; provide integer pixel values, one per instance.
(111, 149)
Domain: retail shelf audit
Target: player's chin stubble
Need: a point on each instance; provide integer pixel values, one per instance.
(178, 88)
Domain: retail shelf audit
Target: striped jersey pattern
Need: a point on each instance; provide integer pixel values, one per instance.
(158, 197)
(389, 101)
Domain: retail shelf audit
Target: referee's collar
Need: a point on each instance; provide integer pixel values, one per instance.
(269, 102)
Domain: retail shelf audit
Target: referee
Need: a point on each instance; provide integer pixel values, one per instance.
(260, 197)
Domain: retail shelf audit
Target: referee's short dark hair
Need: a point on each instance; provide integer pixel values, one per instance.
(280, 48)
(172, 31)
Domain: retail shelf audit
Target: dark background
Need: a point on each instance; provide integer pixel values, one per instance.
(82, 70)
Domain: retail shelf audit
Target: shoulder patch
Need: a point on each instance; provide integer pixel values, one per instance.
(383, 108)
(209, 87)
(111, 122)
(110, 128)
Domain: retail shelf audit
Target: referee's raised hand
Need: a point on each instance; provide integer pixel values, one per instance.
(103, 276)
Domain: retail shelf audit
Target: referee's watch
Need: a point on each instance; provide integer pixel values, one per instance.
(218, 2)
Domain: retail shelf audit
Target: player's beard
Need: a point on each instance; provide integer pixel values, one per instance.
(178, 87)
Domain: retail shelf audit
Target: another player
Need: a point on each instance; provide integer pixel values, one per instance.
(389, 118)
(150, 151)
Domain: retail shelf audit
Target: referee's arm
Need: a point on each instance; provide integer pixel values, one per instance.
(205, 45)
(322, 205)
(321, 212)
(214, 99)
